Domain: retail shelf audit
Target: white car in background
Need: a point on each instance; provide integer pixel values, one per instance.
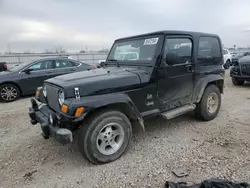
(227, 58)
(127, 56)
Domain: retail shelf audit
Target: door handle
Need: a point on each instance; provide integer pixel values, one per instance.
(189, 68)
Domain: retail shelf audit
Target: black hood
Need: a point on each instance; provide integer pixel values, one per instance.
(101, 81)
(244, 60)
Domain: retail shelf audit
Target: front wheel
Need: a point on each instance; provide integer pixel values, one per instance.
(106, 137)
(237, 82)
(209, 106)
(9, 93)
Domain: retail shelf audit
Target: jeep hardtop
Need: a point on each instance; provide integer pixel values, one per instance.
(175, 72)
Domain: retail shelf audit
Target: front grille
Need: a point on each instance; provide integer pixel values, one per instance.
(245, 69)
(52, 97)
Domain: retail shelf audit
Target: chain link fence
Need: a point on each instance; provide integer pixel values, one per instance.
(90, 58)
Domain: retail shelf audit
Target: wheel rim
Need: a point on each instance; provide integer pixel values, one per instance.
(212, 103)
(110, 139)
(9, 93)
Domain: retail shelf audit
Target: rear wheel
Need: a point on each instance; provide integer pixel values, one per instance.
(210, 103)
(237, 82)
(106, 137)
(9, 92)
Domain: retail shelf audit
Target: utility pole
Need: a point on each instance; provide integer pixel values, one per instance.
(9, 49)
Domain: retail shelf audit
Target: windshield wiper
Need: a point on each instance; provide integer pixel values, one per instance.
(114, 60)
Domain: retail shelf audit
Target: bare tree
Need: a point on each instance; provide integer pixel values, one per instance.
(59, 49)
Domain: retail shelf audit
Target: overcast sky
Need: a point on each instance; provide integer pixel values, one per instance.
(36, 25)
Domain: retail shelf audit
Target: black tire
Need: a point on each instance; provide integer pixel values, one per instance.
(201, 110)
(227, 64)
(235, 81)
(16, 91)
(89, 134)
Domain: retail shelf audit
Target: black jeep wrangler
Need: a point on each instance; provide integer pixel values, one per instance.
(167, 73)
(240, 71)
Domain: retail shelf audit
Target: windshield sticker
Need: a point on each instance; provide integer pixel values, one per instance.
(150, 41)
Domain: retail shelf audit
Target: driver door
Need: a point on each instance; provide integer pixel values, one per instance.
(39, 71)
(175, 83)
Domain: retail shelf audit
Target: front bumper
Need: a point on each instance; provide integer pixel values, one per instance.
(41, 115)
(236, 73)
(239, 77)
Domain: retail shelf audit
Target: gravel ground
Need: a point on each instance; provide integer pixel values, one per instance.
(219, 148)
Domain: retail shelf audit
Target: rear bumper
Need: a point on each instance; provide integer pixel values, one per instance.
(41, 115)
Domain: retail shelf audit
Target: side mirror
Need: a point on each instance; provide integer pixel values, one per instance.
(172, 58)
(27, 71)
(101, 64)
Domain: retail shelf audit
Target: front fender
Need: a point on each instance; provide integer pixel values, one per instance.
(202, 84)
(98, 101)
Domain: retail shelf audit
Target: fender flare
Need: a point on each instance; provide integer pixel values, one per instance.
(98, 101)
(202, 84)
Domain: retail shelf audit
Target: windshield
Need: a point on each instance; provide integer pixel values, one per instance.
(18, 67)
(134, 50)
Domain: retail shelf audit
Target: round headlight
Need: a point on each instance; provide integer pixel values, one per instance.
(45, 91)
(61, 97)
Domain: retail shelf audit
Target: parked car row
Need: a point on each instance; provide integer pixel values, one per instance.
(232, 57)
(23, 79)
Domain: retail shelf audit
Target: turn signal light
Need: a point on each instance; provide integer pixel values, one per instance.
(37, 93)
(64, 108)
(79, 111)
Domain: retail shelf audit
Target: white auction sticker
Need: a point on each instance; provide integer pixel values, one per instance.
(150, 41)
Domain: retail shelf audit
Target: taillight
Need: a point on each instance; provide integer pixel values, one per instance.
(5, 66)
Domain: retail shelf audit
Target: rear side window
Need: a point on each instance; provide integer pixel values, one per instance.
(209, 50)
(65, 64)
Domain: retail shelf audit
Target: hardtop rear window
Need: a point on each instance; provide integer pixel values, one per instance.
(209, 50)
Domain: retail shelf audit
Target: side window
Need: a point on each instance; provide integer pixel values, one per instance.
(42, 65)
(65, 64)
(209, 50)
(225, 52)
(181, 47)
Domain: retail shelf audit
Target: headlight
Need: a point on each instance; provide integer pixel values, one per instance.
(45, 91)
(61, 97)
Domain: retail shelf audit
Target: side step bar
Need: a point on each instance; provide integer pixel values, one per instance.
(178, 111)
